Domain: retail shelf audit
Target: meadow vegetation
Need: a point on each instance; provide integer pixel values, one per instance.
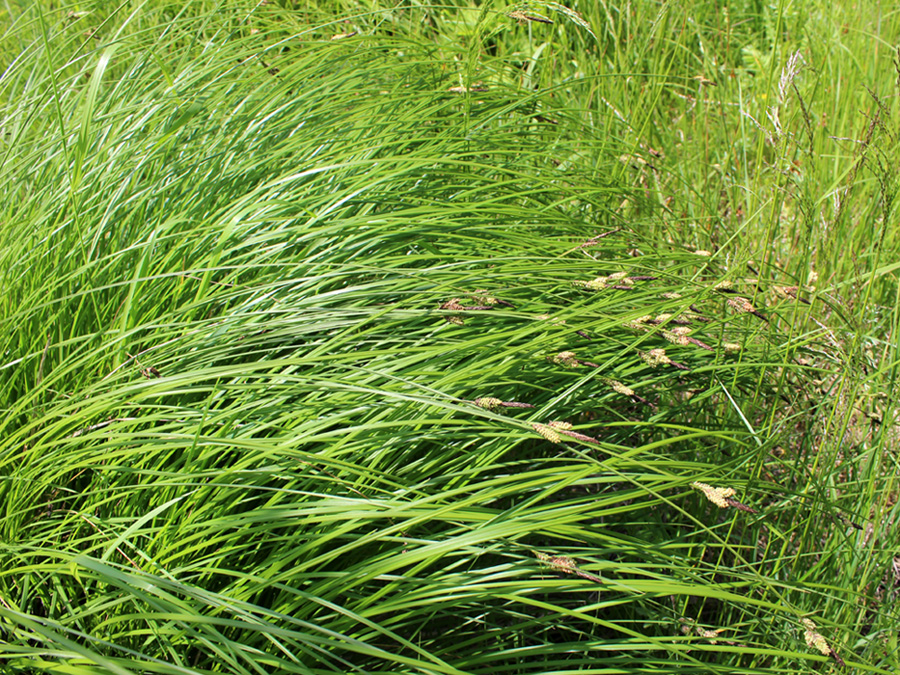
(371, 336)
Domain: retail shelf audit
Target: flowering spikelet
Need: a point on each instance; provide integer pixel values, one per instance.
(625, 284)
(597, 284)
(724, 286)
(815, 640)
(524, 17)
(740, 304)
(547, 432)
(640, 323)
(680, 335)
(462, 90)
(566, 565)
(789, 293)
(488, 403)
(491, 403)
(453, 304)
(620, 388)
(593, 241)
(457, 306)
(675, 338)
(710, 635)
(552, 430)
(618, 276)
(717, 496)
(566, 359)
(732, 347)
(484, 299)
(721, 497)
(656, 357)
(561, 563)
(671, 295)
(701, 252)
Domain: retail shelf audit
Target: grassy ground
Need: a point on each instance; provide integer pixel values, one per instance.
(405, 338)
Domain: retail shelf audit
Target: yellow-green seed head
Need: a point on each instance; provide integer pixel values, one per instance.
(717, 496)
(488, 403)
(547, 432)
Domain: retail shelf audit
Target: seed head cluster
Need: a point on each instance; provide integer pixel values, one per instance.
(718, 496)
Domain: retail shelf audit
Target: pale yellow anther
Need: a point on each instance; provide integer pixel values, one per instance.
(718, 496)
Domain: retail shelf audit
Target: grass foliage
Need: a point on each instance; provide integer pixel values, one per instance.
(460, 338)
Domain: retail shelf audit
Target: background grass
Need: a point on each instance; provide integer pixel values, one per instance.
(295, 293)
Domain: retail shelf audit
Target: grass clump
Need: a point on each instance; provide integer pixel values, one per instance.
(342, 339)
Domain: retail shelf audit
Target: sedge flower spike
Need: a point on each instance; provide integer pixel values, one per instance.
(566, 359)
(547, 432)
(721, 497)
(488, 402)
(814, 640)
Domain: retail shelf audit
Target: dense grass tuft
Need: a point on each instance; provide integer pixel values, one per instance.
(443, 339)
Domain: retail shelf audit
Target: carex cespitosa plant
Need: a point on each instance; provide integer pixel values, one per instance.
(327, 346)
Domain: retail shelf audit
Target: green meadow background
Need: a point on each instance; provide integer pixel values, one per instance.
(370, 336)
